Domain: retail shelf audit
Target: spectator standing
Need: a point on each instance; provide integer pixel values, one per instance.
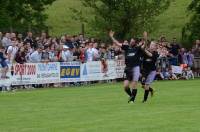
(174, 50)
(36, 56)
(96, 52)
(1, 36)
(3, 62)
(6, 41)
(45, 54)
(29, 39)
(196, 49)
(20, 56)
(190, 58)
(11, 51)
(67, 56)
(52, 54)
(90, 52)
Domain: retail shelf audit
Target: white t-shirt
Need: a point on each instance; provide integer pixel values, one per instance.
(90, 54)
(96, 53)
(12, 51)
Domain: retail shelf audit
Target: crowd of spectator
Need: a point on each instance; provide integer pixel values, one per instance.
(16, 48)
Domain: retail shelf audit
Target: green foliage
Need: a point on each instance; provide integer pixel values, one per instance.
(191, 30)
(21, 15)
(127, 17)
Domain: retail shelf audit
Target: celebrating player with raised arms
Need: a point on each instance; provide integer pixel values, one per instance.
(149, 68)
(133, 54)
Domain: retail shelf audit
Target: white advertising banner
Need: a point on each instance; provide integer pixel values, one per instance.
(91, 71)
(5, 81)
(48, 73)
(98, 70)
(23, 74)
(120, 66)
(177, 69)
(55, 72)
(111, 72)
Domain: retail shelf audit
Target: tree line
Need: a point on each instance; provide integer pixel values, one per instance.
(127, 17)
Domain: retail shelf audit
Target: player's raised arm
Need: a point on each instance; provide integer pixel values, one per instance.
(148, 53)
(111, 34)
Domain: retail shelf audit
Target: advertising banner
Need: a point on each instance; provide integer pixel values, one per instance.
(48, 72)
(5, 79)
(120, 66)
(70, 71)
(177, 69)
(23, 74)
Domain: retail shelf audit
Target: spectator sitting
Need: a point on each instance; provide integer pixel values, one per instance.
(172, 76)
(190, 73)
(159, 75)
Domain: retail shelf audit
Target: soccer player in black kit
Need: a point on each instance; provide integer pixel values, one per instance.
(133, 54)
(149, 68)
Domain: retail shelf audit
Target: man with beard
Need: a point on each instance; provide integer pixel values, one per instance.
(133, 54)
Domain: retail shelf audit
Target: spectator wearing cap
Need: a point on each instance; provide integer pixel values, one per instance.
(36, 56)
(67, 56)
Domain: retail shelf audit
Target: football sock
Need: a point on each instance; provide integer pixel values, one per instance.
(146, 93)
(150, 89)
(134, 93)
(128, 91)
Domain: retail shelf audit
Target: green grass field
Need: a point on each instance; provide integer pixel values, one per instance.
(170, 23)
(102, 108)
